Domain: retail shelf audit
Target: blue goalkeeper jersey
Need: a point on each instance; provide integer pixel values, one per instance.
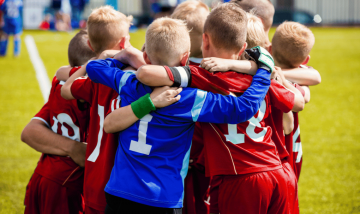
(153, 154)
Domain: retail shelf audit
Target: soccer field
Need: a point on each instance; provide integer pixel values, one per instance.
(330, 178)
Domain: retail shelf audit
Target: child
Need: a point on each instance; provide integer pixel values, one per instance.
(160, 141)
(291, 45)
(223, 38)
(107, 29)
(12, 12)
(194, 13)
(57, 183)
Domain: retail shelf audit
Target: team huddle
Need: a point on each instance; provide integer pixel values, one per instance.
(203, 119)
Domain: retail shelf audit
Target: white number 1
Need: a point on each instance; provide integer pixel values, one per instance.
(140, 146)
(95, 154)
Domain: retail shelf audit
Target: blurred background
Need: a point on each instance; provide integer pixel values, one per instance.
(330, 177)
(312, 12)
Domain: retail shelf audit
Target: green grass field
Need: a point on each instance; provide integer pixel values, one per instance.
(330, 179)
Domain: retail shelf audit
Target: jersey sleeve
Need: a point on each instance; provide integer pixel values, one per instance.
(44, 114)
(73, 70)
(107, 72)
(219, 82)
(298, 87)
(281, 97)
(215, 108)
(83, 89)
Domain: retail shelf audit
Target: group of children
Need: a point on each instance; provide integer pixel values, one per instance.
(199, 121)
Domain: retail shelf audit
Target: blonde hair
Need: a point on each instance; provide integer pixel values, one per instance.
(166, 40)
(256, 35)
(292, 43)
(106, 27)
(189, 11)
(264, 9)
(226, 26)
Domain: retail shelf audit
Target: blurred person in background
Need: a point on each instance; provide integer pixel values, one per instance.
(12, 15)
(77, 9)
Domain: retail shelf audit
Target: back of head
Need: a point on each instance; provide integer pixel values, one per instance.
(256, 35)
(166, 41)
(106, 27)
(262, 8)
(292, 43)
(79, 52)
(226, 26)
(194, 13)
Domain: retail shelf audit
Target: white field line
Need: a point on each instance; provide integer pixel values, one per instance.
(41, 74)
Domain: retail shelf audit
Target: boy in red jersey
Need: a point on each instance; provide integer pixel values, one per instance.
(264, 162)
(291, 45)
(108, 29)
(56, 185)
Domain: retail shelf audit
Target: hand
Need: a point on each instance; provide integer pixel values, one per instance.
(279, 75)
(165, 96)
(131, 56)
(108, 54)
(190, 162)
(77, 153)
(262, 58)
(213, 64)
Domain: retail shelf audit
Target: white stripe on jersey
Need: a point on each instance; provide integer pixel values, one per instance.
(184, 76)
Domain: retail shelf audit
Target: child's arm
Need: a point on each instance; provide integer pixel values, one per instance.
(213, 64)
(288, 122)
(62, 74)
(303, 76)
(66, 88)
(39, 137)
(299, 102)
(153, 75)
(131, 56)
(307, 93)
(124, 117)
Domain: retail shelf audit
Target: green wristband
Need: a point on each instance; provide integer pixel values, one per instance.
(142, 106)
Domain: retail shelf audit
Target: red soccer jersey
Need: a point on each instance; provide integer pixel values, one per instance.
(246, 147)
(293, 142)
(101, 149)
(65, 118)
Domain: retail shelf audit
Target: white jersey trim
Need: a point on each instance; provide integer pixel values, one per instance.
(39, 118)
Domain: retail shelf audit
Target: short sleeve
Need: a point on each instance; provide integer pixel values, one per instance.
(298, 87)
(83, 89)
(281, 97)
(73, 70)
(44, 114)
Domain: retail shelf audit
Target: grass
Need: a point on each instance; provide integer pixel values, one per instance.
(330, 179)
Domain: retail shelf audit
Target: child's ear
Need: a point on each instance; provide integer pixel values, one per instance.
(146, 58)
(242, 49)
(88, 42)
(270, 49)
(306, 60)
(185, 59)
(206, 41)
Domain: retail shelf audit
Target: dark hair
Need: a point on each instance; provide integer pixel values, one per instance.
(79, 51)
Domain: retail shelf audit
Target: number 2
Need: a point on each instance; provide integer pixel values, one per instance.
(237, 138)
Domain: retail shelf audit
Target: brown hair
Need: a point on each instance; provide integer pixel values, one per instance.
(264, 9)
(166, 40)
(256, 35)
(189, 11)
(79, 52)
(106, 27)
(226, 26)
(292, 43)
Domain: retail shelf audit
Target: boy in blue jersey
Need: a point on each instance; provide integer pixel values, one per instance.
(12, 10)
(153, 154)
